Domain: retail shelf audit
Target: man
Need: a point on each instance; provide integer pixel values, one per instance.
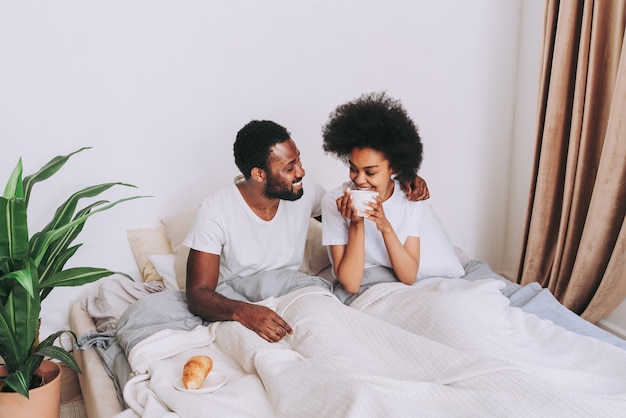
(256, 225)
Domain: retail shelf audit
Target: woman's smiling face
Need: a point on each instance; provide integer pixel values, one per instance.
(370, 170)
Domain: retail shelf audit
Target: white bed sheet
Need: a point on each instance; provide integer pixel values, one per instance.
(478, 357)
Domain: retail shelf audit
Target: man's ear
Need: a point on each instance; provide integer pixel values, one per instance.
(258, 174)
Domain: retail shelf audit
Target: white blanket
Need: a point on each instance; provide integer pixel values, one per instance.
(441, 348)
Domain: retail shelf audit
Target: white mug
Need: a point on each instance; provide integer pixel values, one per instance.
(359, 197)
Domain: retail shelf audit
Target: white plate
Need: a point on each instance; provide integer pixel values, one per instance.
(213, 382)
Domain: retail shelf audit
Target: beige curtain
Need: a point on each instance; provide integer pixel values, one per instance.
(575, 240)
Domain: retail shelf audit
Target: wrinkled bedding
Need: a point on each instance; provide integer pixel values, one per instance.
(157, 333)
(446, 347)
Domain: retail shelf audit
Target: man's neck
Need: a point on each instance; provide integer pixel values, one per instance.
(254, 197)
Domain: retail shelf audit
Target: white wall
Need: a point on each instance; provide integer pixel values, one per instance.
(160, 88)
(524, 132)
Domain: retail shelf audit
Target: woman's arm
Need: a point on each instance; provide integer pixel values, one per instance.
(404, 258)
(349, 260)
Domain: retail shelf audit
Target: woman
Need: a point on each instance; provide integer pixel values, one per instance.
(379, 141)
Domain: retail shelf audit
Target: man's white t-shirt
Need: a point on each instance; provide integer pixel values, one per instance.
(225, 225)
(403, 215)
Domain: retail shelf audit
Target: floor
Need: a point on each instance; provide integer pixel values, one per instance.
(72, 405)
(73, 409)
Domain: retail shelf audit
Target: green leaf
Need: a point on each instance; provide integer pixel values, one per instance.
(65, 212)
(76, 276)
(19, 322)
(39, 247)
(24, 278)
(59, 354)
(8, 343)
(57, 253)
(47, 349)
(19, 381)
(59, 261)
(13, 228)
(46, 172)
(14, 187)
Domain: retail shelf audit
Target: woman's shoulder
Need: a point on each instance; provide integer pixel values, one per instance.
(399, 197)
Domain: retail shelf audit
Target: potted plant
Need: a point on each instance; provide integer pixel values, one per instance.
(31, 266)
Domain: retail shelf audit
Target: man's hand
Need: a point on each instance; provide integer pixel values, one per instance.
(264, 321)
(415, 190)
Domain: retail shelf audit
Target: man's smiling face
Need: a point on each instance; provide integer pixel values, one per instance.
(285, 173)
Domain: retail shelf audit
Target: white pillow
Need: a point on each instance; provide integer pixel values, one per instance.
(438, 257)
(164, 265)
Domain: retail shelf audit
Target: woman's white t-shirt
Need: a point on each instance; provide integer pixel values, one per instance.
(403, 215)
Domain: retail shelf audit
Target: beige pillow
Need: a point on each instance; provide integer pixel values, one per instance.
(315, 254)
(176, 227)
(145, 242)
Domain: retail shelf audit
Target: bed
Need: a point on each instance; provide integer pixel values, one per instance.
(462, 341)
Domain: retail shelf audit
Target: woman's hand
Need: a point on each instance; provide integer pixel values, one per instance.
(376, 214)
(345, 206)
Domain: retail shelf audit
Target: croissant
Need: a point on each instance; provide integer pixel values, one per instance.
(196, 370)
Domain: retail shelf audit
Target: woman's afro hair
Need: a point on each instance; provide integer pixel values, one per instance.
(381, 123)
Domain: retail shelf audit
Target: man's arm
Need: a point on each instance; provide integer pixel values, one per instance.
(415, 189)
(202, 275)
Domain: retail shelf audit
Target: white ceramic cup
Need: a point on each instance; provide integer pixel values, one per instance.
(359, 197)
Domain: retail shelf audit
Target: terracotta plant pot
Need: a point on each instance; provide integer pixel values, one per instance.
(44, 401)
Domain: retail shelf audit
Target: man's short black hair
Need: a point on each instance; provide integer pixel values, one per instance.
(254, 143)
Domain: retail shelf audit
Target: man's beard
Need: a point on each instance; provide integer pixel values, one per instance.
(277, 190)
